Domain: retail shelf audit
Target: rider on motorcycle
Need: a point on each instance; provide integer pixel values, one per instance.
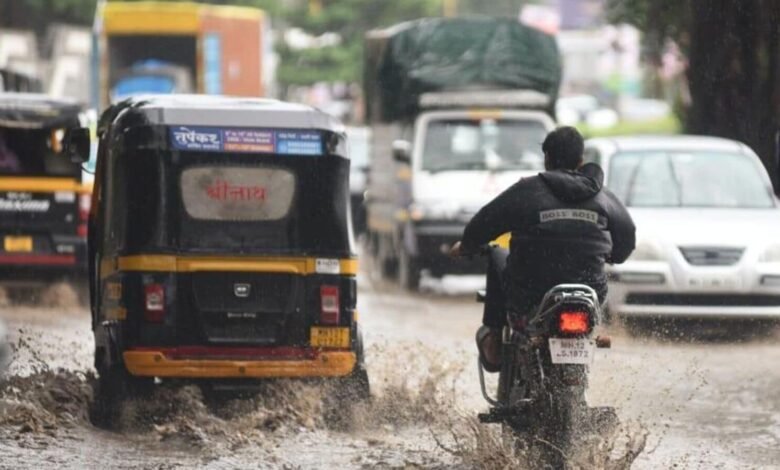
(565, 225)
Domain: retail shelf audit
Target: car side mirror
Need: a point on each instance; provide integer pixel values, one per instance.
(76, 144)
(402, 151)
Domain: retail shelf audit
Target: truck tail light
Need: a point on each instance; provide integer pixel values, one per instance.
(154, 303)
(330, 306)
(574, 322)
(85, 202)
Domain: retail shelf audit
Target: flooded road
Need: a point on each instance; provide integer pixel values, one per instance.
(702, 404)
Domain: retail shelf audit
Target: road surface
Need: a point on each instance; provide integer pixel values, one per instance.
(694, 404)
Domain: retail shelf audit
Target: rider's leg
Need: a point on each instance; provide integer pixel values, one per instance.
(494, 315)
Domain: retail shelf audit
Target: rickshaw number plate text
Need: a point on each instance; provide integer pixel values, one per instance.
(322, 337)
(17, 244)
(572, 351)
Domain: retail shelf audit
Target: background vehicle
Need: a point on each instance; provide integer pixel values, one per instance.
(221, 49)
(151, 76)
(234, 262)
(707, 225)
(543, 377)
(454, 123)
(359, 142)
(43, 203)
(5, 348)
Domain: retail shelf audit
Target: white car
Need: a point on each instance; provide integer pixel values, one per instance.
(708, 227)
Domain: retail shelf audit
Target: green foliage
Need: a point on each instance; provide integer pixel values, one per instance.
(664, 126)
(38, 14)
(659, 20)
(350, 19)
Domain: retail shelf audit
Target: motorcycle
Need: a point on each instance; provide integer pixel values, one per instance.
(540, 399)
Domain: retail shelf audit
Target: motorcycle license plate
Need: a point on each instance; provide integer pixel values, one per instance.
(572, 351)
(322, 337)
(24, 244)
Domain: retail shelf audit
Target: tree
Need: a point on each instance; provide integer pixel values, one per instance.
(350, 19)
(733, 72)
(38, 14)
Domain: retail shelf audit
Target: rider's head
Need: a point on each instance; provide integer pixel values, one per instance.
(563, 149)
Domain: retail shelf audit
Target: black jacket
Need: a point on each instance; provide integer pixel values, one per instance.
(564, 226)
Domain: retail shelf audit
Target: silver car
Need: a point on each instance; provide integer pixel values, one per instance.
(708, 227)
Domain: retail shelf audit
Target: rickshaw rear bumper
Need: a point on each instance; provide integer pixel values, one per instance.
(156, 363)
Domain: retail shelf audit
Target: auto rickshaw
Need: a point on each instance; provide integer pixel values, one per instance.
(43, 201)
(221, 248)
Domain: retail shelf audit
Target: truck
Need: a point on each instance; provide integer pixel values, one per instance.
(458, 109)
(178, 47)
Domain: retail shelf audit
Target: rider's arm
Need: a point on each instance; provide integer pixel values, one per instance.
(493, 220)
(622, 231)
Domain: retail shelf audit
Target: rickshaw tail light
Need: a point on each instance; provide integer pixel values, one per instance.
(574, 322)
(330, 305)
(154, 301)
(85, 202)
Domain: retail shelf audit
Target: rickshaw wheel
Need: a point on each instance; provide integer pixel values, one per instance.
(345, 395)
(113, 386)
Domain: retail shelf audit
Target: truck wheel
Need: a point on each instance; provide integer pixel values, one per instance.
(409, 271)
(388, 264)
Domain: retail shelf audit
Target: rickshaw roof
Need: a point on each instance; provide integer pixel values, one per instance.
(37, 111)
(227, 111)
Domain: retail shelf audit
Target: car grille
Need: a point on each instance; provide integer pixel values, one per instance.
(712, 256)
(705, 300)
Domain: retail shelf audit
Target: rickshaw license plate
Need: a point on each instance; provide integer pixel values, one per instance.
(329, 337)
(572, 351)
(18, 244)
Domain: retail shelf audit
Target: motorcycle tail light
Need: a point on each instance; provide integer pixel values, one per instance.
(154, 303)
(573, 322)
(329, 305)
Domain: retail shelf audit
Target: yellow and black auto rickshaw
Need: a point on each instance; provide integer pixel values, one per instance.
(43, 202)
(221, 249)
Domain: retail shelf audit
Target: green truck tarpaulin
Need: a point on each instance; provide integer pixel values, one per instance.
(439, 54)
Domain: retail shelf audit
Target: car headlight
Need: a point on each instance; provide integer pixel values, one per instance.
(646, 251)
(771, 255)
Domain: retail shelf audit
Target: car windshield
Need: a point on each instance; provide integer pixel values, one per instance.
(483, 144)
(688, 179)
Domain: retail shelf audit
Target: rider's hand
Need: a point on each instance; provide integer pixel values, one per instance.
(456, 251)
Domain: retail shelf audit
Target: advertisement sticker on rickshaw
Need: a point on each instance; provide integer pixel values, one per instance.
(247, 140)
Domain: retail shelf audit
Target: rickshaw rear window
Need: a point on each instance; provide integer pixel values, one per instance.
(237, 193)
(34, 152)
